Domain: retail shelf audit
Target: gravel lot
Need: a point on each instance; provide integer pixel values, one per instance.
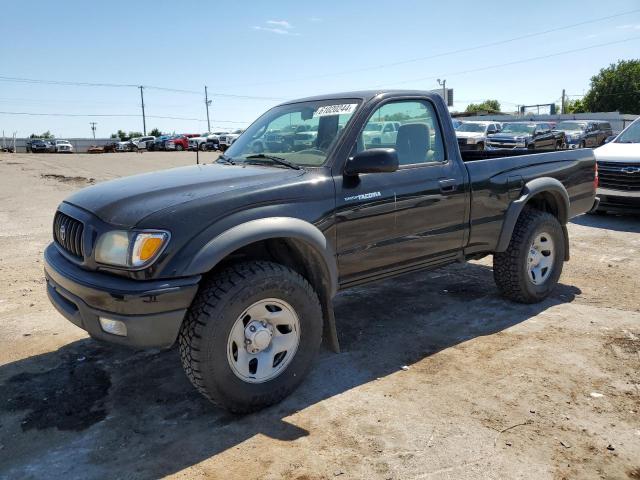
(492, 390)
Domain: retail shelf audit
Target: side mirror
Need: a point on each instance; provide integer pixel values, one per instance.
(374, 160)
(609, 138)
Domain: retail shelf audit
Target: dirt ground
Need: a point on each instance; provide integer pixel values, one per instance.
(492, 390)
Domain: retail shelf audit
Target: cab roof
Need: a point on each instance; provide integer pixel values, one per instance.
(364, 95)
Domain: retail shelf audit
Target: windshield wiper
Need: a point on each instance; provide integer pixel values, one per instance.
(225, 159)
(273, 159)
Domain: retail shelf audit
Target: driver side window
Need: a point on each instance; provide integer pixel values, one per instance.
(418, 138)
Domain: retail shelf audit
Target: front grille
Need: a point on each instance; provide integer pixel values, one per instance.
(619, 176)
(67, 233)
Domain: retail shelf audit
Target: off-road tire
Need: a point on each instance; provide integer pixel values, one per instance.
(221, 300)
(510, 266)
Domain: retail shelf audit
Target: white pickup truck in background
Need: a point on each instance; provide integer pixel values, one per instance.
(619, 172)
(473, 135)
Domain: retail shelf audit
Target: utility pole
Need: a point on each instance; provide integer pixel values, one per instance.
(443, 84)
(562, 108)
(144, 120)
(93, 129)
(207, 102)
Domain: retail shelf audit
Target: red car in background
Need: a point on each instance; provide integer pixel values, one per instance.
(178, 142)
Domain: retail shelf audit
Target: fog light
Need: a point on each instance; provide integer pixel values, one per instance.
(115, 327)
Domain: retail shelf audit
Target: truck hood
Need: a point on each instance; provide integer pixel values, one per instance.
(126, 201)
(619, 152)
(469, 134)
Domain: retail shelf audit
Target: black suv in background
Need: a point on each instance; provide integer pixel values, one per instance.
(40, 146)
(584, 133)
(526, 136)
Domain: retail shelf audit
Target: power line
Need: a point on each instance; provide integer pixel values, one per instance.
(515, 62)
(447, 53)
(608, 94)
(39, 81)
(48, 114)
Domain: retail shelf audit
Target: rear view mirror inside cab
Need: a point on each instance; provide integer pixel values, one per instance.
(306, 114)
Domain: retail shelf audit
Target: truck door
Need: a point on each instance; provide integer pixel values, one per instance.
(416, 215)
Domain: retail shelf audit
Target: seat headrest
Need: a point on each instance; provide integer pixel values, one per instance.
(412, 143)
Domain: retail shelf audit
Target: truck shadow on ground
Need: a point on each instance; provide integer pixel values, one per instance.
(619, 223)
(136, 414)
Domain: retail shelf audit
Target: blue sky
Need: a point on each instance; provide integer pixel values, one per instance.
(288, 49)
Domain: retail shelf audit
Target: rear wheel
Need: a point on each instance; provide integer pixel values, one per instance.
(529, 269)
(251, 335)
(179, 148)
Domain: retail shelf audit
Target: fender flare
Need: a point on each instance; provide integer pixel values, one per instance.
(530, 190)
(252, 231)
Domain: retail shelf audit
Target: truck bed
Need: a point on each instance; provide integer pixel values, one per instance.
(498, 177)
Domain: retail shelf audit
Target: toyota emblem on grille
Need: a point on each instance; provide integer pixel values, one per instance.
(63, 232)
(630, 170)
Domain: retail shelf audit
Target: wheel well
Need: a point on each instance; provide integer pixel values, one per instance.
(293, 253)
(549, 202)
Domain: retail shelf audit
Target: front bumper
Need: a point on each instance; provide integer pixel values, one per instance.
(618, 201)
(152, 310)
(464, 147)
(505, 147)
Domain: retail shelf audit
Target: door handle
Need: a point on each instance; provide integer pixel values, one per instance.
(449, 185)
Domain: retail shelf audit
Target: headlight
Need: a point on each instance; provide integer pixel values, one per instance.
(521, 143)
(130, 249)
(471, 141)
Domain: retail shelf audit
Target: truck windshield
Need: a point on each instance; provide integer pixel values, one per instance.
(277, 132)
(571, 126)
(471, 127)
(517, 128)
(631, 134)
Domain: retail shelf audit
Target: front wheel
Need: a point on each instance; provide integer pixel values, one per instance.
(251, 335)
(179, 148)
(528, 271)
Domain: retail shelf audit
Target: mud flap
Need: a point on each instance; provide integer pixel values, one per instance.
(329, 330)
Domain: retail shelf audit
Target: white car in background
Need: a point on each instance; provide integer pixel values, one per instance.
(226, 140)
(126, 146)
(141, 142)
(380, 133)
(619, 172)
(62, 146)
(472, 135)
(197, 143)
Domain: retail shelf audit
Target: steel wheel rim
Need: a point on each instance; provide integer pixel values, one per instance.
(540, 258)
(263, 340)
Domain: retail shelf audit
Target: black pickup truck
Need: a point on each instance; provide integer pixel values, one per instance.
(238, 261)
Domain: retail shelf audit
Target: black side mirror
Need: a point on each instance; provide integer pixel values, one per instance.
(374, 160)
(609, 138)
